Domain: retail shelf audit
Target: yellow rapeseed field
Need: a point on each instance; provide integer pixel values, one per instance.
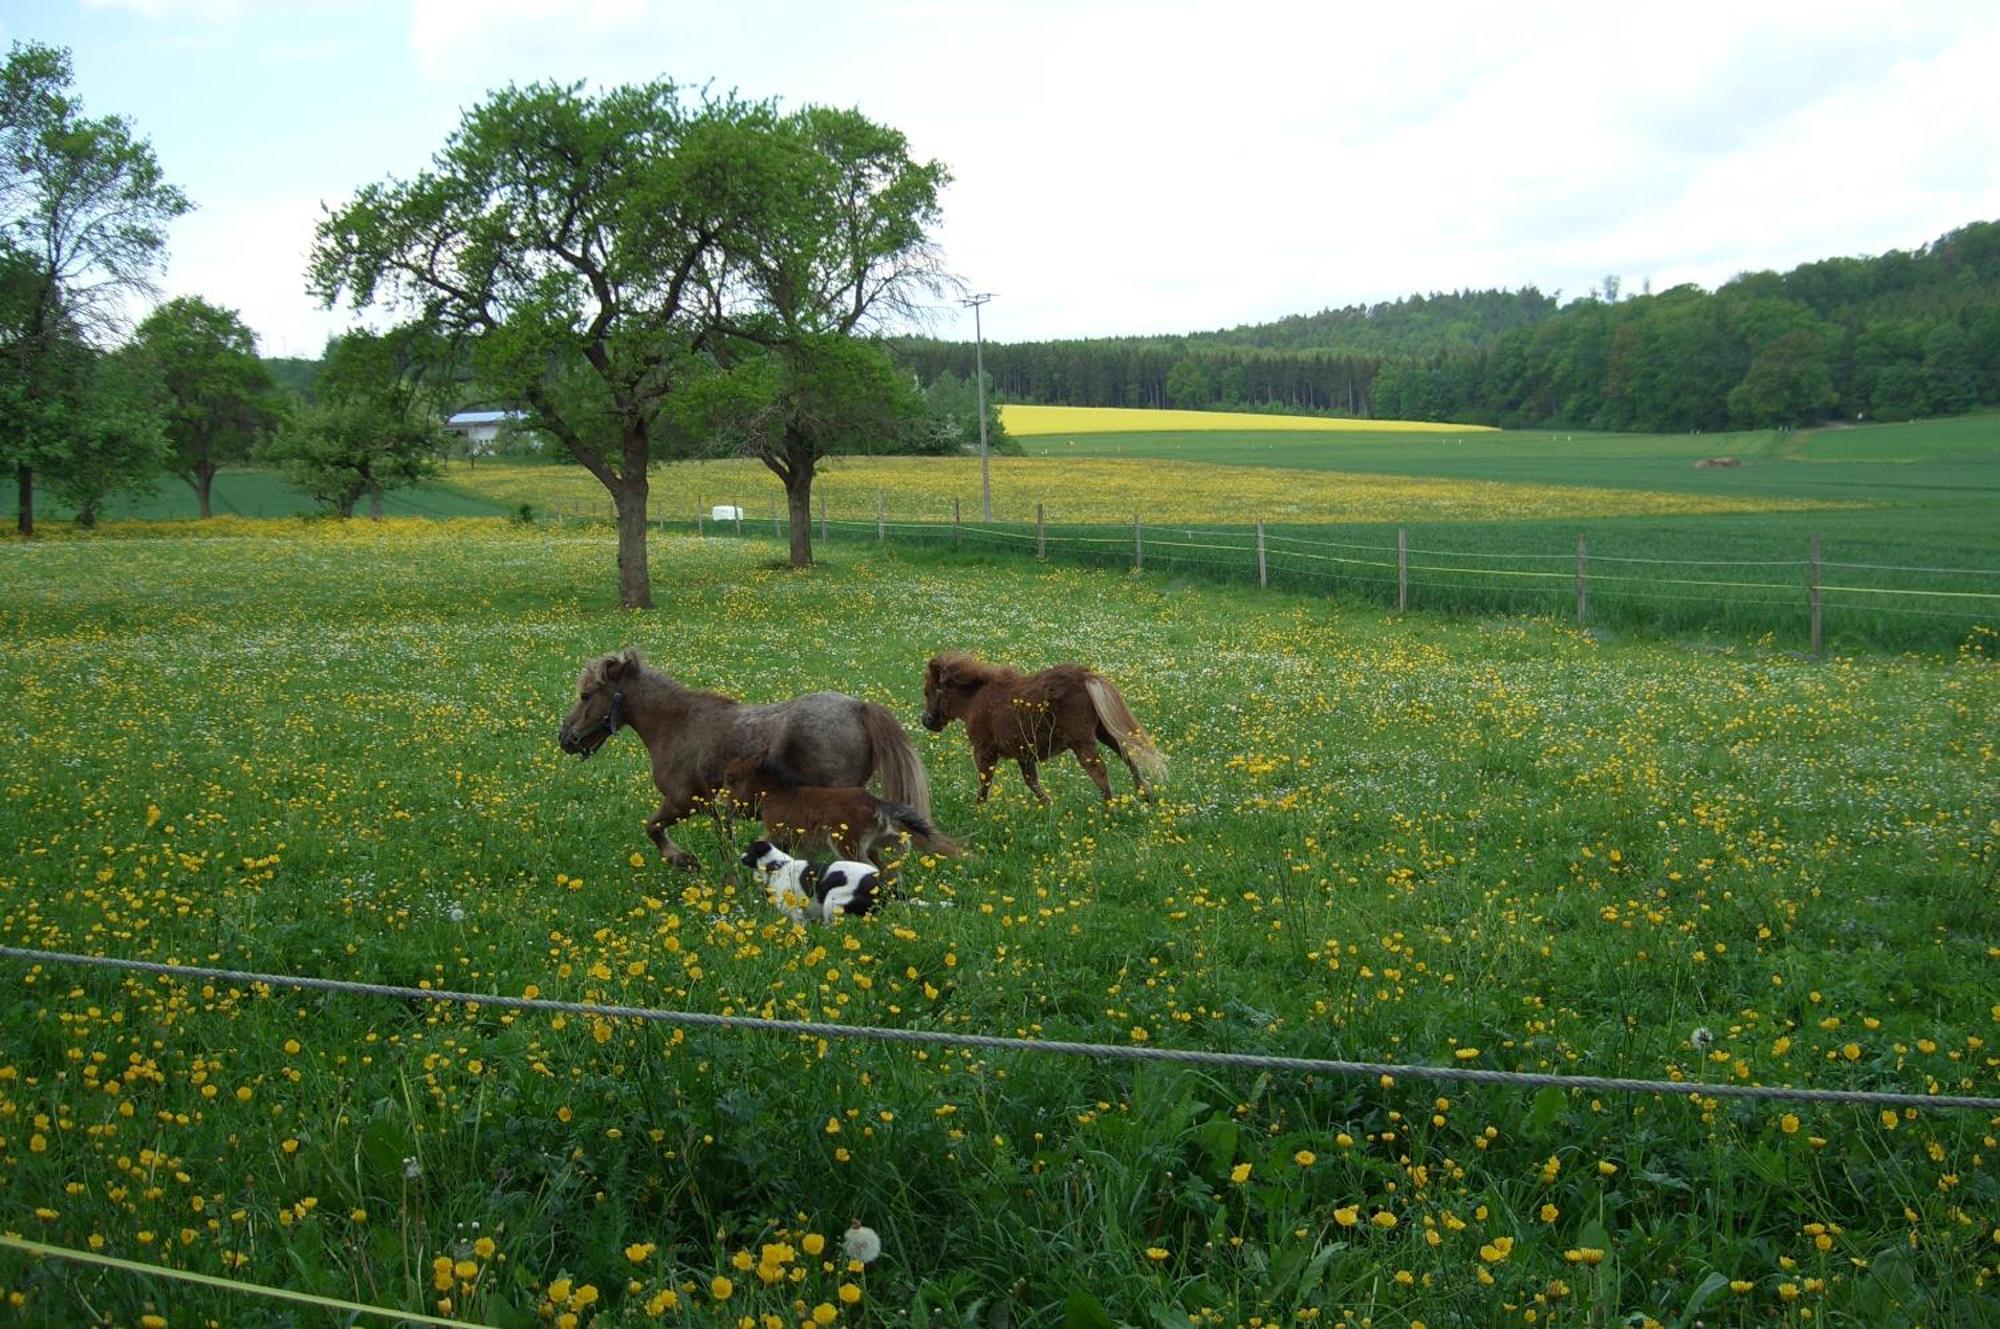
(1025, 421)
(1091, 490)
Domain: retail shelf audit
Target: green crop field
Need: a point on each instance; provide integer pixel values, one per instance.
(1928, 491)
(1904, 463)
(255, 492)
(328, 749)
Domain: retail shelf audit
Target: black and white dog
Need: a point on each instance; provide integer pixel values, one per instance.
(814, 892)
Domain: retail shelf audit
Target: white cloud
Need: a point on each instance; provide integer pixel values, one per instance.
(249, 254)
(1159, 167)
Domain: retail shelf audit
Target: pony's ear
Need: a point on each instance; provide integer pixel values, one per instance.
(621, 665)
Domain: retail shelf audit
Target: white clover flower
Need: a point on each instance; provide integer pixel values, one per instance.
(861, 1243)
(1703, 1038)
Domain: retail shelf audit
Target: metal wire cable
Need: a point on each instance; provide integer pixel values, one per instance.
(229, 1284)
(1098, 1051)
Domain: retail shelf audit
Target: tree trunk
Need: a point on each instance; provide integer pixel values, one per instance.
(202, 481)
(375, 501)
(635, 582)
(25, 480)
(798, 510)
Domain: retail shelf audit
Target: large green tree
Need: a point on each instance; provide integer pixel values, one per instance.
(115, 440)
(842, 247)
(791, 405)
(374, 426)
(83, 212)
(571, 244)
(220, 400)
(595, 254)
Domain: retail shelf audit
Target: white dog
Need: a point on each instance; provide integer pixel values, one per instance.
(814, 892)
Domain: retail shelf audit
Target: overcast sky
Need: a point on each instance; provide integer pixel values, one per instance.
(1131, 167)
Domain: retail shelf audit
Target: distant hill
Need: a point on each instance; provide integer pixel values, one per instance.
(1893, 336)
(296, 376)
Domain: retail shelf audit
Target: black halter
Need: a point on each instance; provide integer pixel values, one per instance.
(610, 723)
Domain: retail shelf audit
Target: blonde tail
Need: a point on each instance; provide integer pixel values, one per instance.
(1118, 720)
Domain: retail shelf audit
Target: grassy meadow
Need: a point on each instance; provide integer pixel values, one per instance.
(328, 748)
(1908, 515)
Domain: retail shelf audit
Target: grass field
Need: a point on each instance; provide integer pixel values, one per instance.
(1096, 490)
(1933, 462)
(255, 492)
(1908, 516)
(328, 748)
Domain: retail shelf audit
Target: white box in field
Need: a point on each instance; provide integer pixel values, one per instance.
(725, 512)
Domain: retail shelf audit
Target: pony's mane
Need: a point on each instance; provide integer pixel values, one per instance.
(959, 667)
(593, 672)
(641, 679)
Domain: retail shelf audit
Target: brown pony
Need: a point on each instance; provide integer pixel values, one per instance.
(850, 820)
(829, 738)
(1030, 716)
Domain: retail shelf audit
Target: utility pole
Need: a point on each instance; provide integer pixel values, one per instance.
(979, 372)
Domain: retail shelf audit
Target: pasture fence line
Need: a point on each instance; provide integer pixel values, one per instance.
(45, 1251)
(1871, 601)
(1378, 1070)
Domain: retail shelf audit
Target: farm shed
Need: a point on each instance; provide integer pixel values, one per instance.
(480, 428)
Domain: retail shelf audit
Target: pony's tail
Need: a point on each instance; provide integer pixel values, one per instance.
(896, 759)
(1121, 724)
(919, 826)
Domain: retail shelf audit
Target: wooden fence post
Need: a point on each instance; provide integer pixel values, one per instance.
(1263, 567)
(1812, 591)
(823, 536)
(881, 518)
(1041, 535)
(1402, 569)
(776, 533)
(1138, 546)
(1582, 579)
(697, 520)
(954, 524)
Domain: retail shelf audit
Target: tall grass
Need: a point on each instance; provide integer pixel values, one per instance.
(1503, 843)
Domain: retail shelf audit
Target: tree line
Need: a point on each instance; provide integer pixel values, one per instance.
(1898, 335)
